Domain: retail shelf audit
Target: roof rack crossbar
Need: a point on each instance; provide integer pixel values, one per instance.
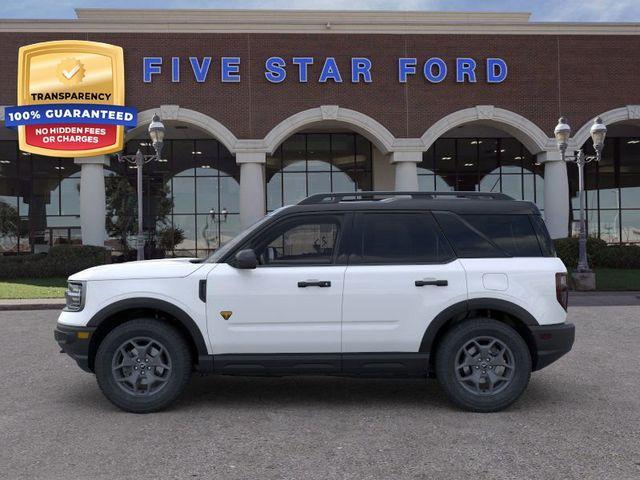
(359, 196)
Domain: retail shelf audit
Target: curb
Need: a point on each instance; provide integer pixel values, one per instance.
(45, 305)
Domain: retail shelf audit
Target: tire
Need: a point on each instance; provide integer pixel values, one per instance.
(143, 365)
(472, 382)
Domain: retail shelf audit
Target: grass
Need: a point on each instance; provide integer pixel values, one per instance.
(33, 288)
(617, 279)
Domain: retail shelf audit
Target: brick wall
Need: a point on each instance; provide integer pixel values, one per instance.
(578, 76)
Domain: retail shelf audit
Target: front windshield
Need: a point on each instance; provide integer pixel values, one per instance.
(238, 239)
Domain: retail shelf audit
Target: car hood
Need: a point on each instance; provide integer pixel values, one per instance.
(146, 269)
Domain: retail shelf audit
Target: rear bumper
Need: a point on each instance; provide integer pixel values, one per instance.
(74, 341)
(552, 342)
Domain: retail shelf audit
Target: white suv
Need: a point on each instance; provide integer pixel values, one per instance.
(462, 286)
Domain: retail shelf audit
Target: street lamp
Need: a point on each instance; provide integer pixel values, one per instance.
(562, 133)
(156, 133)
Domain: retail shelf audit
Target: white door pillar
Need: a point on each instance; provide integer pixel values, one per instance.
(93, 208)
(406, 167)
(556, 194)
(252, 187)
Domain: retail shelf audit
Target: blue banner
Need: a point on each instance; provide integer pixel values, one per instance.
(70, 113)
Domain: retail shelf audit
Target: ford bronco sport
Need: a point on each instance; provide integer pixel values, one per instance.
(462, 286)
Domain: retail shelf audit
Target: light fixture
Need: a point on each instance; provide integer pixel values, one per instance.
(5, 161)
(156, 133)
(224, 212)
(562, 133)
(469, 164)
(476, 142)
(446, 158)
(598, 132)
(58, 168)
(205, 166)
(502, 150)
(196, 152)
(517, 158)
(25, 153)
(632, 142)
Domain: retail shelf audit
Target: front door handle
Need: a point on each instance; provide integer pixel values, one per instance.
(437, 283)
(314, 283)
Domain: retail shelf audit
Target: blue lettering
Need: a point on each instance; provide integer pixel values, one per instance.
(406, 66)
(303, 64)
(230, 70)
(275, 69)
(330, 71)
(465, 67)
(496, 70)
(360, 67)
(175, 69)
(428, 70)
(200, 71)
(151, 66)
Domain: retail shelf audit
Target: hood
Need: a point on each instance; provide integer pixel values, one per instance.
(146, 269)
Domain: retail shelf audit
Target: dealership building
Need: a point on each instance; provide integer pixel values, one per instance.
(263, 108)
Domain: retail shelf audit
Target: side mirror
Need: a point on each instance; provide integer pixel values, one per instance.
(246, 259)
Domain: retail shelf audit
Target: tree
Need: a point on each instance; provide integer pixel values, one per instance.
(122, 208)
(9, 222)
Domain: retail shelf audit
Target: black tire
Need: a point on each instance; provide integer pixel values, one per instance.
(452, 370)
(172, 357)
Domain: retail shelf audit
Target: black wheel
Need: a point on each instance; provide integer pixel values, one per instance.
(143, 365)
(483, 365)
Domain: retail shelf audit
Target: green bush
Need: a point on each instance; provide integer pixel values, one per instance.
(61, 261)
(599, 254)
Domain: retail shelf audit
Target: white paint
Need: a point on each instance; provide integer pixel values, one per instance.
(383, 310)
(271, 314)
(406, 166)
(495, 281)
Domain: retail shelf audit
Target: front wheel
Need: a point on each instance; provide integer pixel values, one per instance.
(143, 365)
(483, 365)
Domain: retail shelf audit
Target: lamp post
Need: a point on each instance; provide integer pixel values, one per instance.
(156, 133)
(562, 133)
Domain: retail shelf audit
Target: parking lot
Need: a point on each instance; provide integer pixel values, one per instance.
(579, 418)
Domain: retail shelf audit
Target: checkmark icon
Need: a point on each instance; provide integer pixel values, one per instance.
(71, 73)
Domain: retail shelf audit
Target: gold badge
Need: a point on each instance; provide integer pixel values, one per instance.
(75, 73)
(226, 314)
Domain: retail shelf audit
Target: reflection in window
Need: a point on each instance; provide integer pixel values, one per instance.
(309, 163)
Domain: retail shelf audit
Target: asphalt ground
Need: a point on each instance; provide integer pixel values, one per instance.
(579, 418)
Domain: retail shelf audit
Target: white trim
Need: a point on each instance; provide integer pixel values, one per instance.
(629, 112)
(200, 120)
(312, 21)
(358, 122)
(532, 136)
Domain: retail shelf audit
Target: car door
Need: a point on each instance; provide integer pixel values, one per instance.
(401, 274)
(290, 303)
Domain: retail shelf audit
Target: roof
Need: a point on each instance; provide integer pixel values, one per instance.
(311, 21)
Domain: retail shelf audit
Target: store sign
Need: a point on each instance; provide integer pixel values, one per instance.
(323, 70)
(70, 99)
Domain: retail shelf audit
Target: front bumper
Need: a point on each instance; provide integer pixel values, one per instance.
(75, 341)
(552, 342)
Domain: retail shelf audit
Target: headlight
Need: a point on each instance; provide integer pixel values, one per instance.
(74, 296)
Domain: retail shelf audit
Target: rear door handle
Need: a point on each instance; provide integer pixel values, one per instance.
(437, 283)
(314, 283)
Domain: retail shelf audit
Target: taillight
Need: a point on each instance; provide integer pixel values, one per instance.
(562, 289)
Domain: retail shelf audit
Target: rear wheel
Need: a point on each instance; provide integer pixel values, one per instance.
(143, 365)
(483, 365)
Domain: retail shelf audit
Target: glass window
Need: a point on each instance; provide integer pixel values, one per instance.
(630, 226)
(393, 238)
(513, 233)
(466, 240)
(302, 242)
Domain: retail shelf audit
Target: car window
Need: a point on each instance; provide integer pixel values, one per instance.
(302, 242)
(466, 240)
(546, 244)
(401, 238)
(513, 233)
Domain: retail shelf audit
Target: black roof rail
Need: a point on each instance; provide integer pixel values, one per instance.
(360, 196)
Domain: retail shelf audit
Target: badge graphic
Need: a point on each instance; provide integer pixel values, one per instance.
(70, 71)
(70, 99)
(226, 314)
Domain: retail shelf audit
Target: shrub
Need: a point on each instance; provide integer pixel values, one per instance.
(61, 261)
(599, 254)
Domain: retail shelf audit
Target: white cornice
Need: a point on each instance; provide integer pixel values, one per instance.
(323, 21)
